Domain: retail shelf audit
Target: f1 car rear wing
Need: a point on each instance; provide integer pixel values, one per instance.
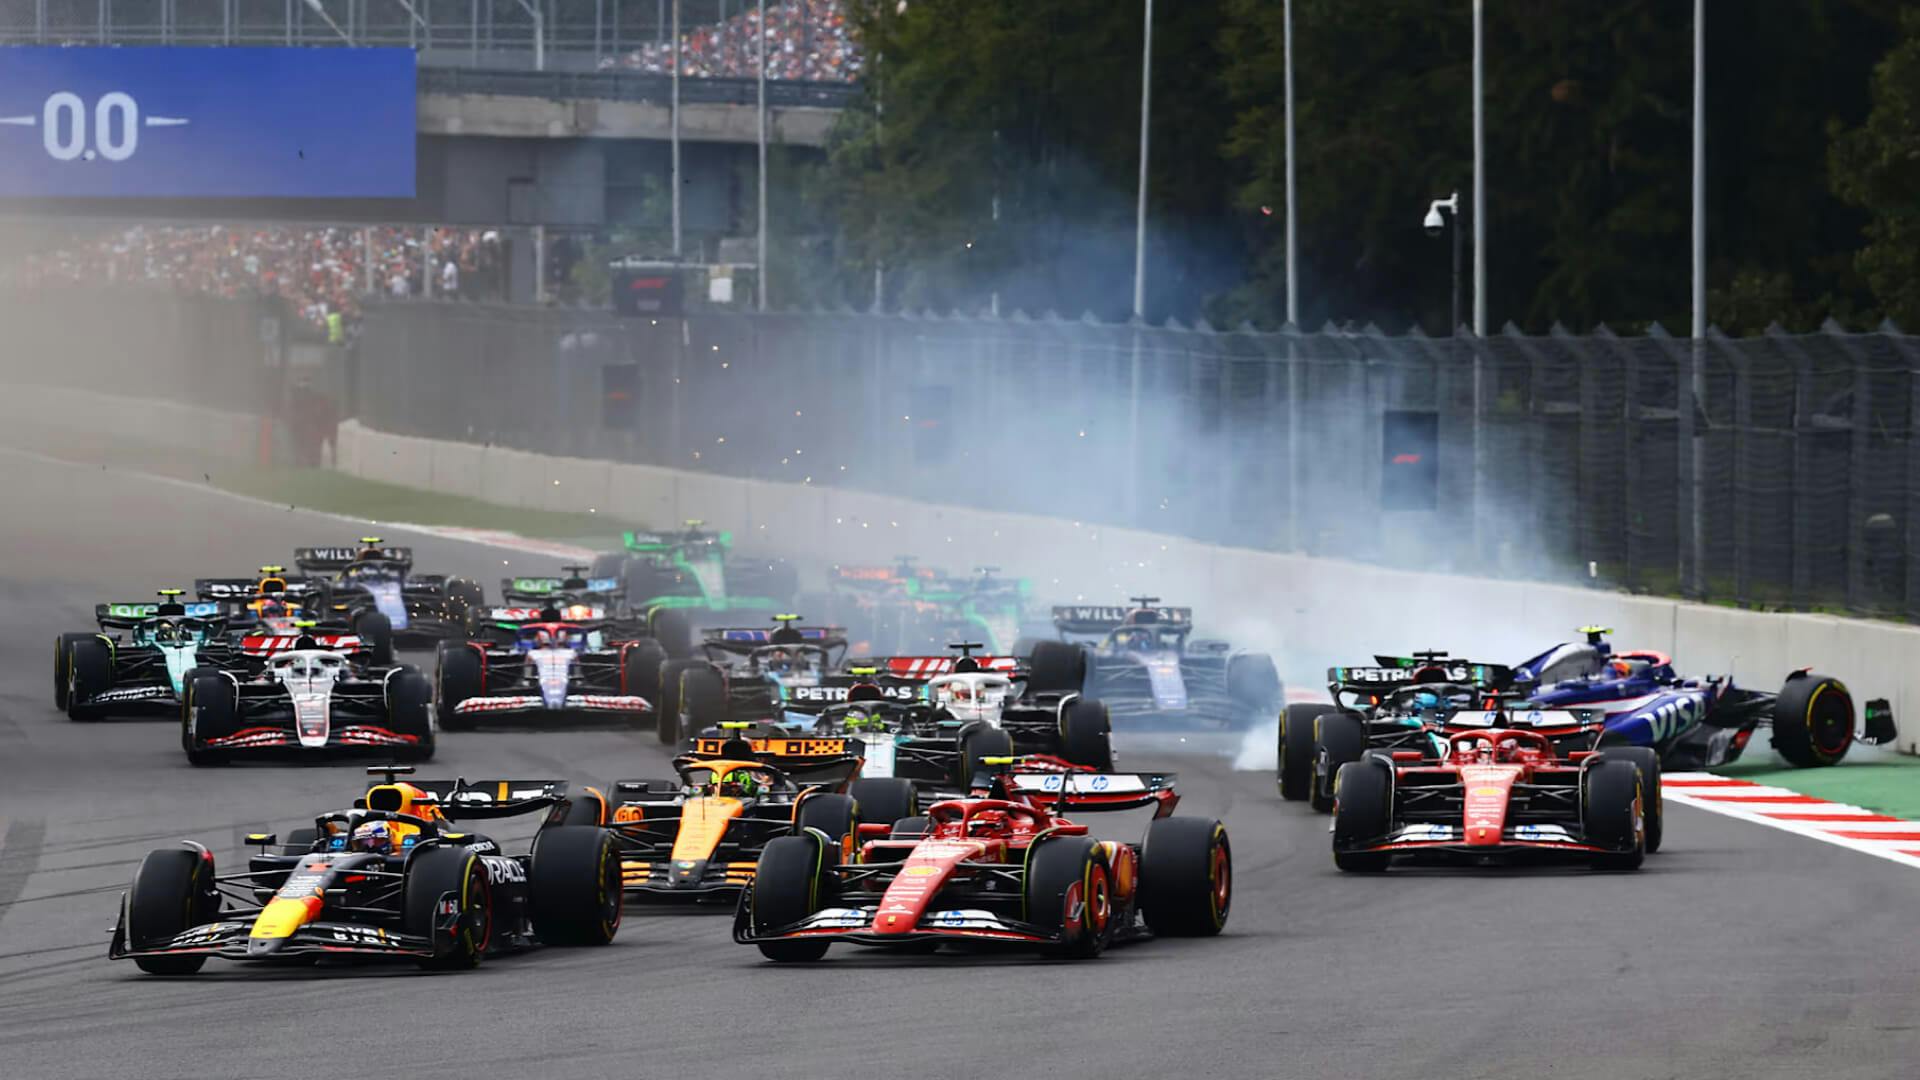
(833, 690)
(746, 639)
(1066, 789)
(322, 560)
(571, 613)
(475, 800)
(922, 668)
(807, 759)
(1394, 672)
(126, 616)
(298, 588)
(660, 543)
(535, 588)
(1100, 618)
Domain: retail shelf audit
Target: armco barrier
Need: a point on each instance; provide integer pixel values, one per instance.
(1311, 611)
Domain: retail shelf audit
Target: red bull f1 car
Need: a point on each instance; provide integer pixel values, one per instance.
(396, 877)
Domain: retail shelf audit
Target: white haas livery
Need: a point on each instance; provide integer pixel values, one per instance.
(307, 699)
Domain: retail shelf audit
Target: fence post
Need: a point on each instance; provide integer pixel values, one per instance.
(1860, 416)
(1801, 579)
(1742, 465)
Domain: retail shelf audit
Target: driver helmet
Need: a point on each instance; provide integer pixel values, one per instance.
(1426, 699)
(987, 821)
(271, 607)
(1626, 669)
(376, 836)
(739, 783)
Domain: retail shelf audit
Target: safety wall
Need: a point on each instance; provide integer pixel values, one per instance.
(1311, 611)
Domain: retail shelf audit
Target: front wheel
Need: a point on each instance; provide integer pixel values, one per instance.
(172, 893)
(210, 711)
(410, 713)
(1813, 721)
(459, 874)
(89, 674)
(1069, 888)
(1186, 877)
(375, 632)
(788, 886)
(1653, 811)
(1339, 737)
(1362, 815)
(1610, 810)
(574, 887)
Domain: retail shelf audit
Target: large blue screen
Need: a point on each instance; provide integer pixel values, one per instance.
(194, 122)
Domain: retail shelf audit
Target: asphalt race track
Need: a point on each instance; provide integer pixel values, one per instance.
(1740, 952)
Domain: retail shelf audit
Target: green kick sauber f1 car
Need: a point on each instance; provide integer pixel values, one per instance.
(695, 570)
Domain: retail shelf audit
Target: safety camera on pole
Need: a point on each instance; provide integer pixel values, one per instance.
(1436, 224)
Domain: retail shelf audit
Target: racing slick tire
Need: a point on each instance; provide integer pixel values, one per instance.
(1253, 682)
(1610, 796)
(587, 808)
(208, 711)
(884, 799)
(375, 632)
(640, 665)
(1294, 775)
(978, 745)
(574, 886)
(435, 872)
(672, 629)
(1056, 667)
(62, 655)
(1086, 735)
(834, 815)
(693, 698)
(1362, 814)
(459, 675)
(1338, 737)
(172, 891)
(89, 673)
(1186, 877)
(789, 883)
(1653, 810)
(1813, 720)
(410, 712)
(1069, 887)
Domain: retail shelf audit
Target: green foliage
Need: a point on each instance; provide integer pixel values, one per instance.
(1877, 166)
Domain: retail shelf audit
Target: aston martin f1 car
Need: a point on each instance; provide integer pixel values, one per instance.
(1699, 723)
(1009, 869)
(1146, 666)
(574, 589)
(697, 835)
(695, 570)
(421, 608)
(1499, 791)
(546, 666)
(392, 878)
(301, 696)
(143, 670)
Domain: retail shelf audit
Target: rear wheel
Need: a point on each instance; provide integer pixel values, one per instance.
(977, 746)
(1610, 801)
(1253, 682)
(693, 698)
(410, 712)
(1069, 887)
(879, 799)
(209, 712)
(172, 892)
(459, 875)
(574, 887)
(62, 648)
(1652, 810)
(1295, 772)
(375, 632)
(673, 630)
(1813, 721)
(834, 815)
(1086, 735)
(1339, 737)
(1362, 814)
(789, 884)
(460, 677)
(640, 665)
(89, 673)
(1057, 667)
(1186, 877)
(666, 715)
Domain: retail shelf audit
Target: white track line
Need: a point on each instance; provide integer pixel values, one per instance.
(1835, 823)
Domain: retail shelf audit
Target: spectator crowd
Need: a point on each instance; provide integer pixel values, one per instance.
(315, 272)
(807, 40)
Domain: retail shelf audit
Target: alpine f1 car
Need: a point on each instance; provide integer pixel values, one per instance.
(698, 835)
(695, 570)
(421, 608)
(1009, 869)
(1499, 791)
(1145, 667)
(304, 696)
(1396, 704)
(547, 666)
(1699, 723)
(392, 878)
(143, 670)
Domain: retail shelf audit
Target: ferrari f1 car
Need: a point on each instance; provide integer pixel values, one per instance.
(547, 666)
(421, 608)
(1009, 869)
(695, 570)
(137, 663)
(299, 695)
(1699, 723)
(1499, 791)
(392, 878)
(1145, 667)
(697, 836)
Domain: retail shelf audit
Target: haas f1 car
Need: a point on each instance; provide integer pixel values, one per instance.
(1008, 869)
(539, 665)
(305, 695)
(421, 609)
(393, 878)
(137, 663)
(1146, 666)
(1499, 791)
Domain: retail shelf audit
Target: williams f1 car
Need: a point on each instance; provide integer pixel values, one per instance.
(420, 608)
(1010, 869)
(1146, 666)
(392, 878)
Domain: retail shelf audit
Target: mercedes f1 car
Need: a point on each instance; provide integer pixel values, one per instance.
(752, 674)
(1146, 666)
(695, 570)
(1009, 869)
(422, 609)
(392, 878)
(550, 666)
(698, 835)
(303, 695)
(1500, 790)
(143, 670)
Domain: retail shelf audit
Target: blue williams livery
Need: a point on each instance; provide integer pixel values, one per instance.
(1145, 664)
